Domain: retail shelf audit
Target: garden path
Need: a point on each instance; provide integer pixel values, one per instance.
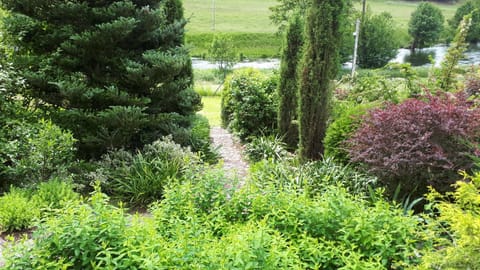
(1, 246)
(230, 151)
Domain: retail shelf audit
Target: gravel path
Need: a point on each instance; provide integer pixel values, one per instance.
(230, 151)
(1, 246)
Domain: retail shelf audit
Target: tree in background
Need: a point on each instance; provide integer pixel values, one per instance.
(288, 86)
(222, 52)
(426, 25)
(446, 79)
(319, 66)
(110, 71)
(469, 7)
(378, 42)
(281, 13)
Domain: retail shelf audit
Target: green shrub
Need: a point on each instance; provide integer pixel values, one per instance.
(16, 211)
(341, 129)
(371, 87)
(271, 147)
(456, 228)
(53, 194)
(203, 224)
(37, 152)
(249, 103)
(200, 140)
(81, 236)
(140, 178)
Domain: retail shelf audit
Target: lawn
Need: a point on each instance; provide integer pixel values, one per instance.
(211, 110)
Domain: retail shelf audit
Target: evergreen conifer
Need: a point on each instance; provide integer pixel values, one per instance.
(319, 67)
(113, 72)
(288, 86)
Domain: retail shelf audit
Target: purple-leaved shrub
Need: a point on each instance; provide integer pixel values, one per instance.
(419, 142)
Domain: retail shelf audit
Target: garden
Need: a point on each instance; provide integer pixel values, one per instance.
(107, 159)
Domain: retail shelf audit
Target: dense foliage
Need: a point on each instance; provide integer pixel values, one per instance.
(456, 229)
(104, 70)
(141, 178)
(425, 25)
(419, 142)
(249, 103)
(319, 65)
(378, 42)
(341, 129)
(252, 229)
(468, 7)
(288, 85)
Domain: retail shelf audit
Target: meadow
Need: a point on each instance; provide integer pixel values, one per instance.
(255, 36)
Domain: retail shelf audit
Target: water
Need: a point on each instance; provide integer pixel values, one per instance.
(421, 57)
(437, 54)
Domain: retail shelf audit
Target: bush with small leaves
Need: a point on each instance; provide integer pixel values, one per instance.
(16, 211)
(54, 194)
(341, 129)
(419, 142)
(249, 103)
(456, 226)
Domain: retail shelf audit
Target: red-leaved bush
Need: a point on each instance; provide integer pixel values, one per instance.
(419, 142)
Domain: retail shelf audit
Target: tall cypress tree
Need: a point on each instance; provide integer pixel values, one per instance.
(319, 67)
(288, 86)
(108, 70)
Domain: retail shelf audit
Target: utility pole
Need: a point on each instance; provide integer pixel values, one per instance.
(357, 37)
(213, 15)
(355, 48)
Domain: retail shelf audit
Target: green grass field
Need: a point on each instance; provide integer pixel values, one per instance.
(247, 21)
(211, 110)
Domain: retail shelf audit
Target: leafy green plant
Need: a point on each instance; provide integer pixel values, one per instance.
(455, 226)
(54, 194)
(372, 86)
(313, 177)
(81, 236)
(200, 140)
(270, 147)
(16, 211)
(249, 103)
(446, 78)
(140, 178)
(341, 129)
(37, 152)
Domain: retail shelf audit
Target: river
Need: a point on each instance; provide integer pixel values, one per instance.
(420, 58)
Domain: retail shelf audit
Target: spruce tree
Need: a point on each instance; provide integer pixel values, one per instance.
(288, 86)
(319, 67)
(114, 72)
